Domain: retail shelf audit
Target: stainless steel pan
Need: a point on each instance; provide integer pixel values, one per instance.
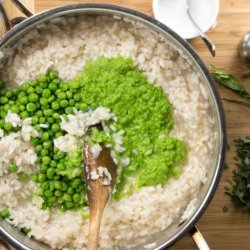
(166, 238)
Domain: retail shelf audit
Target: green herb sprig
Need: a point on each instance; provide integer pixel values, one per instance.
(240, 191)
(231, 82)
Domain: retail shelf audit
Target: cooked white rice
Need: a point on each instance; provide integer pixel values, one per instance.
(66, 45)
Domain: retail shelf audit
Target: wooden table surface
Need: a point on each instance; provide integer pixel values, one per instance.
(223, 231)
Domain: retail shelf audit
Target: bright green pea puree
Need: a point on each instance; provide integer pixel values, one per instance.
(144, 114)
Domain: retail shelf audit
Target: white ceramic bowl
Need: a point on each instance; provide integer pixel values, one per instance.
(173, 13)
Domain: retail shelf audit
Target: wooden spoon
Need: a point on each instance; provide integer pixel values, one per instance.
(98, 193)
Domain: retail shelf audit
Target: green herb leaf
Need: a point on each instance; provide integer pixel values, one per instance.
(243, 103)
(240, 190)
(225, 209)
(230, 82)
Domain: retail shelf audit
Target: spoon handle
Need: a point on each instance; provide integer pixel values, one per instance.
(204, 37)
(94, 227)
(198, 239)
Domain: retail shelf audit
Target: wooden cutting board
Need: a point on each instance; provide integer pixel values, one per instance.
(223, 231)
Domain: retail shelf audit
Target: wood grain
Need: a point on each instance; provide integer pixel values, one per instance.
(223, 231)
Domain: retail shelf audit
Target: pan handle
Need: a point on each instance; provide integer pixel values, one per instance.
(198, 239)
(8, 24)
(22, 8)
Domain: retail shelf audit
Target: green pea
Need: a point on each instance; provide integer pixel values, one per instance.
(69, 94)
(23, 176)
(8, 126)
(13, 168)
(64, 103)
(45, 185)
(63, 208)
(76, 182)
(53, 75)
(51, 99)
(61, 96)
(71, 190)
(52, 86)
(58, 193)
(41, 178)
(44, 152)
(43, 101)
(31, 107)
(34, 178)
(69, 110)
(39, 113)
(9, 94)
(58, 185)
(43, 85)
(77, 97)
(22, 108)
(50, 173)
(24, 114)
(67, 197)
(3, 92)
(64, 87)
(3, 113)
(39, 147)
(1, 123)
(46, 160)
(25, 230)
(6, 107)
(34, 83)
(5, 213)
(64, 186)
(74, 85)
(15, 109)
(56, 116)
(33, 97)
(15, 91)
(42, 79)
(52, 185)
(35, 140)
(38, 90)
(42, 120)
(55, 105)
(51, 134)
(83, 106)
(34, 120)
(30, 90)
(48, 112)
(52, 200)
(53, 163)
(45, 136)
(4, 100)
(60, 166)
(50, 120)
(58, 134)
(20, 94)
(48, 193)
(46, 93)
(69, 204)
(43, 168)
(58, 91)
(47, 144)
(72, 103)
(37, 127)
(76, 197)
(25, 86)
(57, 177)
(55, 127)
